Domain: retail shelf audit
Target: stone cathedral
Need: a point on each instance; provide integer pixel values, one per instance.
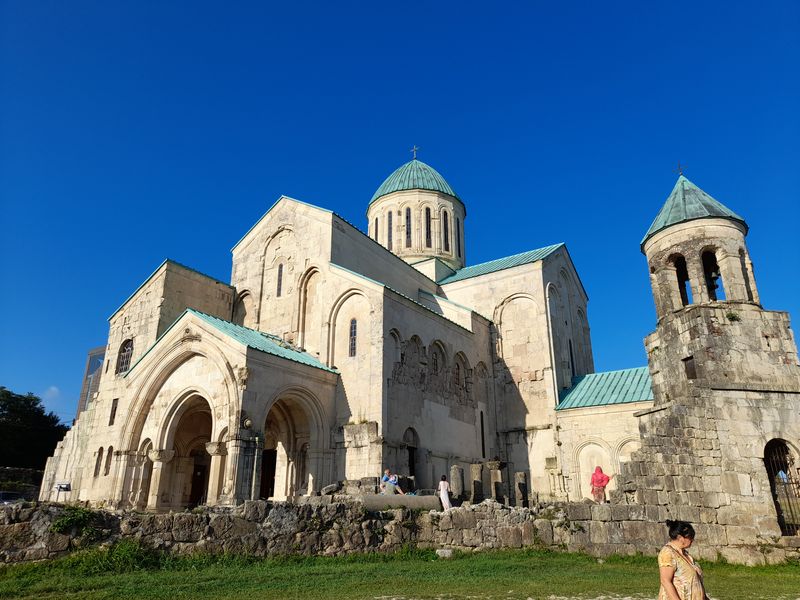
(333, 354)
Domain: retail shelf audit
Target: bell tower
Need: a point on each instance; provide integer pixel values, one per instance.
(726, 382)
(709, 319)
(696, 252)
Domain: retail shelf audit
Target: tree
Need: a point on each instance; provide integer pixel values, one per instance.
(28, 434)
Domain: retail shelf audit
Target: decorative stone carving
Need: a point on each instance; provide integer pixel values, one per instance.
(241, 377)
(216, 448)
(162, 455)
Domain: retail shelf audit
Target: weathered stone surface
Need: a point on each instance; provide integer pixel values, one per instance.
(315, 528)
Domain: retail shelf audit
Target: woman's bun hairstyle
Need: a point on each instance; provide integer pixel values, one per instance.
(680, 528)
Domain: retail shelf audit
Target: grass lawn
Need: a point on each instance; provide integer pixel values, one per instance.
(130, 572)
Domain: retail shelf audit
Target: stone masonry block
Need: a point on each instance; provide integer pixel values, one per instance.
(601, 512)
(579, 512)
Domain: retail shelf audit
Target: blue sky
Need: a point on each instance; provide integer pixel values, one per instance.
(132, 132)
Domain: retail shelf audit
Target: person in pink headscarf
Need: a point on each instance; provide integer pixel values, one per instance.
(599, 482)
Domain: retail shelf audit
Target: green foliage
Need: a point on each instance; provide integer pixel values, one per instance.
(732, 316)
(76, 520)
(128, 570)
(28, 434)
(123, 557)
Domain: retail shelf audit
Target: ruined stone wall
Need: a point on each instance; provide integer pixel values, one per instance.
(328, 526)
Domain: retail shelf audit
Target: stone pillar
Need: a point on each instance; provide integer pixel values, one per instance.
(216, 471)
(476, 482)
(457, 482)
(316, 467)
(697, 280)
(496, 480)
(140, 487)
(160, 459)
(521, 489)
(257, 452)
(123, 477)
(239, 471)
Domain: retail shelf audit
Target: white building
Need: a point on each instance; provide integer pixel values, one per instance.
(333, 354)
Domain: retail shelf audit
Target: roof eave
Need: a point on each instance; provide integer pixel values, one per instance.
(650, 234)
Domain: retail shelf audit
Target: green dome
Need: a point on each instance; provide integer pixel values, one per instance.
(414, 175)
(688, 202)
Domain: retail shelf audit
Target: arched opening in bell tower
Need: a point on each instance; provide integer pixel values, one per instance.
(682, 273)
(712, 276)
(784, 484)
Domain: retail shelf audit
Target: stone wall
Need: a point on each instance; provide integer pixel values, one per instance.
(329, 526)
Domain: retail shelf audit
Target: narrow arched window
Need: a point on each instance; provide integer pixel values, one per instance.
(389, 230)
(435, 361)
(375, 230)
(446, 229)
(427, 227)
(353, 334)
(408, 228)
(682, 273)
(457, 374)
(571, 359)
(124, 357)
(279, 289)
(712, 276)
(458, 236)
(109, 454)
(99, 463)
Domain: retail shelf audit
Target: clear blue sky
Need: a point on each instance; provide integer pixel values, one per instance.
(132, 132)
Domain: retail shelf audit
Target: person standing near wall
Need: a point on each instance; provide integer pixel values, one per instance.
(681, 577)
(444, 493)
(599, 482)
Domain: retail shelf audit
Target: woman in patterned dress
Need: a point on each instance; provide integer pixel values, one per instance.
(681, 577)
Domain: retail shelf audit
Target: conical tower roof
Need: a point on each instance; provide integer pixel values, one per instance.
(414, 175)
(688, 202)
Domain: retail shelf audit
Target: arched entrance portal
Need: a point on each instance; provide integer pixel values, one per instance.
(782, 471)
(184, 481)
(285, 468)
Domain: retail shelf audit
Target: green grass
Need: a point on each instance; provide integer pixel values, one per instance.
(128, 571)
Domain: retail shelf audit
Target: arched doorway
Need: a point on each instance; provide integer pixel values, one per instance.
(781, 466)
(184, 483)
(285, 468)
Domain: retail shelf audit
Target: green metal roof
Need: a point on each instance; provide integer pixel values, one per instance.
(500, 264)
(414, 175)
(258, 340)
(265, 342)
(688, 202)
(609, 387)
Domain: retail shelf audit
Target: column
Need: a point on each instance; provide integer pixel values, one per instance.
(123, 477)
(315, 467)
(257, 449)
(476, 483)
(697, 280)
(160, 459)
(457, 481)
(216, 475)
